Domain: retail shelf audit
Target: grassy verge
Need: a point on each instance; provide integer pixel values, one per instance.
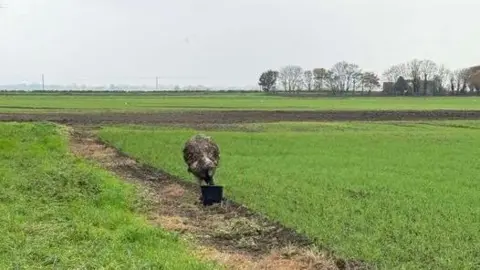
(96, 103)
(401, 195)
(59, 212)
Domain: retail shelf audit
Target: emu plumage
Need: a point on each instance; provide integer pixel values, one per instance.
(202, 156)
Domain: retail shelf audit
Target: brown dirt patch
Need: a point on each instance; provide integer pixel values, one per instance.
(230, 117)
(227, 233)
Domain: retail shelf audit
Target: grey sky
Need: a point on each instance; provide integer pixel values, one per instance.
(220, 42)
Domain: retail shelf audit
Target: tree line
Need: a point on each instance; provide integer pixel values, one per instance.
(343, 77)
(425, 77)
(416, 77)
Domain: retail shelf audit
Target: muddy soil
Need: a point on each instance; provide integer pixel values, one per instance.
(230, 117)
(227, 233)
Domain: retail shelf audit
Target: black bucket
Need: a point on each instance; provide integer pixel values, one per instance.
(212, 194)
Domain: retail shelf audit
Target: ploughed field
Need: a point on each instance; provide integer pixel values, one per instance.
(396, 194)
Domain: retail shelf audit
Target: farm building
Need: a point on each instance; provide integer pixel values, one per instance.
(388, 87)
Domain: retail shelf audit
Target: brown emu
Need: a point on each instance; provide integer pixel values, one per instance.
(202, 155)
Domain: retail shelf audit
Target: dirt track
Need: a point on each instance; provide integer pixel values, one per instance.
(229, 117)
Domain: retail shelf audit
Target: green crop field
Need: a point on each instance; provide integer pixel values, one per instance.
(400, 195)
(60, 212)
(248, 101)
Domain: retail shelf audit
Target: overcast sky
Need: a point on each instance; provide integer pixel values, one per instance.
(225, 42)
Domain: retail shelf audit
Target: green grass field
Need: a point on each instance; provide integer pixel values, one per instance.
(400, 195)
(60, 212)
(117, 102)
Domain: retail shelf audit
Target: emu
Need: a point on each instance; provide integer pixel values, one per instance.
(202, 156)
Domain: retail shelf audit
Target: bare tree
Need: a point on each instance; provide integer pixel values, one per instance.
(354, 74)
(414, 67)
(356, 80)
(451, 82)
(464, 79)
(389, 75)
(460, 80)
(308, 79)
(474, 80)
(442, 78)
(456, 78)
(339, 75)
(344, 74)
(401, 70)
(291, 77)
(395, 71)
(369, 80)
(320, 76)
(333, 82)
(429, 69)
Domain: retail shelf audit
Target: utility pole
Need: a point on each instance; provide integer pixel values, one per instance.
(156, 83)
(43, 82)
